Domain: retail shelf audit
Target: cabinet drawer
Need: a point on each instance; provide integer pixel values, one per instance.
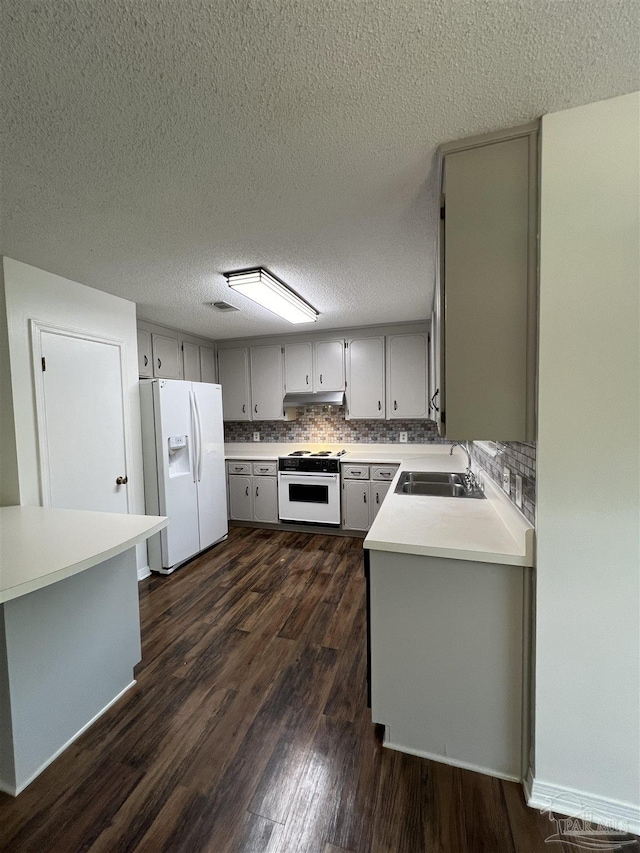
(383, 472)
(355, 472)
(264, 469)
(239, 467)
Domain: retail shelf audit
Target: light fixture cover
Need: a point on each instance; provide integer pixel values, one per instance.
(264, 288)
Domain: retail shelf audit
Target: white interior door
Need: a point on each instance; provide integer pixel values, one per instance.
(81, 421)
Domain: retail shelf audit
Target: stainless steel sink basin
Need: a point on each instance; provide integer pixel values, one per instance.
(436, 484)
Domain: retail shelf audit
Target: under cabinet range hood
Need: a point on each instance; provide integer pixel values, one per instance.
(319, 398)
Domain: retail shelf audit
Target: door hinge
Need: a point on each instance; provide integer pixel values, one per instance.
(44, 364)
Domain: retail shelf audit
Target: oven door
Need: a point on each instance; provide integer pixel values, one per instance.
(314, 498)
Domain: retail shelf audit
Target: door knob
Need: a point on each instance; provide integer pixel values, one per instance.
(122, 481)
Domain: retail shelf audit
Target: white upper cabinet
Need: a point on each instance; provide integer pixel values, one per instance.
(298, 367)
(190, 362)
(365, 378)
(267, 383)
(207, 364)
(145, 366)
(233, 375)
(328, 374)
(166, 357)
(407, 376)
(314, 366)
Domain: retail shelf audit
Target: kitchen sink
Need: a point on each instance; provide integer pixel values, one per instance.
(436, 484)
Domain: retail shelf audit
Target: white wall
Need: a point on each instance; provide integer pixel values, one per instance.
(32, 293)
(587, 727)
(9, 487)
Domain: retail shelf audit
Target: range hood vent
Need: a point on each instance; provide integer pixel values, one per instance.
(321, 398)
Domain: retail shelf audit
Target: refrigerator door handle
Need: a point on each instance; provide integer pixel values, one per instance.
(199, 423)
(194, 432)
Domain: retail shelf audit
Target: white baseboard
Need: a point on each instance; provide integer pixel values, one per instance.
(143, 572)
(453, 762)
(616, 814)
(17, 789)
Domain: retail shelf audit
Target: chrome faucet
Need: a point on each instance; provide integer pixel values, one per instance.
(470, 481)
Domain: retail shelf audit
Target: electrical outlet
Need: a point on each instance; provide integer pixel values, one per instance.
(404, 438)
(506, 479)
(256, 436)
(519, 491)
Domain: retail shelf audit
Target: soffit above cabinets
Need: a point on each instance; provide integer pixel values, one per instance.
(151, 147)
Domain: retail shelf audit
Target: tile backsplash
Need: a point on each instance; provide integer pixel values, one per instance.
(520, 458)
(327, 423)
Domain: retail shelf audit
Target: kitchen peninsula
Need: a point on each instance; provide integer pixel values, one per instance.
(69, 628)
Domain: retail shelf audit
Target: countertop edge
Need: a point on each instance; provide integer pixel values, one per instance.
(43, 581)
(449, 553)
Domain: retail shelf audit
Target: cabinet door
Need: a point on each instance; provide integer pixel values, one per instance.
(145, 367)
(407, 376)
(365, 378)
(240, 498)
(265, 499)
(267, 383)
(233, 375)
(207, 365)
(190, 362)
(298, 367)
(166, 357)
(356, 502)
(329, 366)
(378, 494)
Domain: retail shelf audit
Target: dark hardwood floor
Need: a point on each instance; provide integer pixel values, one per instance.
(248, 730)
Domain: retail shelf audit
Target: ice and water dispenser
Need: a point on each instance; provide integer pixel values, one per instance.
(179, 457)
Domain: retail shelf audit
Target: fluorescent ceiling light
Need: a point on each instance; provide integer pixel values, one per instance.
(265, 289)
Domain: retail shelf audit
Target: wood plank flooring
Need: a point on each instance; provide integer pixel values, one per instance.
(248, 730)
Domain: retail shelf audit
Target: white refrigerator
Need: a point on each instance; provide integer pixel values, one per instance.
(184, 469)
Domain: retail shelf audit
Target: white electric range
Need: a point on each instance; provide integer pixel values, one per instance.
(309, 487)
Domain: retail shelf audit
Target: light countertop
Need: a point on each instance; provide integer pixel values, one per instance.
(40, 546)
(486, 531)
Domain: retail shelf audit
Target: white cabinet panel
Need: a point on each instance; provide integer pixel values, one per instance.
(190, 362)
(166, 357)
(233, 375)
(298, 367)
(356, 500)
(267, 383)
(407, 376)
(240, 498)
(145, 367)
(329, 366)
(365, 378)
(265, 499)
(207, 364)
(378, 494)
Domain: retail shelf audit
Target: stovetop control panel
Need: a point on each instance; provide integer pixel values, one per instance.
(309, 464)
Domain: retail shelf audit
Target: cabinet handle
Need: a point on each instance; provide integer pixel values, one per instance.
(379, 406)
(385, 473)
(122, 481)
(256, 491)
(395, 405)
(321, 379)
(306, 379)
(244, 408)
(247, 491)
(159, 364)
(433, 399)
(377, 497)
(146, 361)
(364, 496)
(255, 408)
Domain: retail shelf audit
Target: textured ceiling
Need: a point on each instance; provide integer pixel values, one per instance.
(151, 145)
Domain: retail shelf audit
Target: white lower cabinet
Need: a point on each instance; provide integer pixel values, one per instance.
(356, 500)
(448, 673)
(378, 494)
(253, 496)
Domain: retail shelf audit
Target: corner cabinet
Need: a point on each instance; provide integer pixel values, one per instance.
(365, 379)
(233, 375)
(407, 377)
(488, 286)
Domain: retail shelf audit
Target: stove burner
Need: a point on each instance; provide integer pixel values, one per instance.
(300, 453)
(322, 453)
